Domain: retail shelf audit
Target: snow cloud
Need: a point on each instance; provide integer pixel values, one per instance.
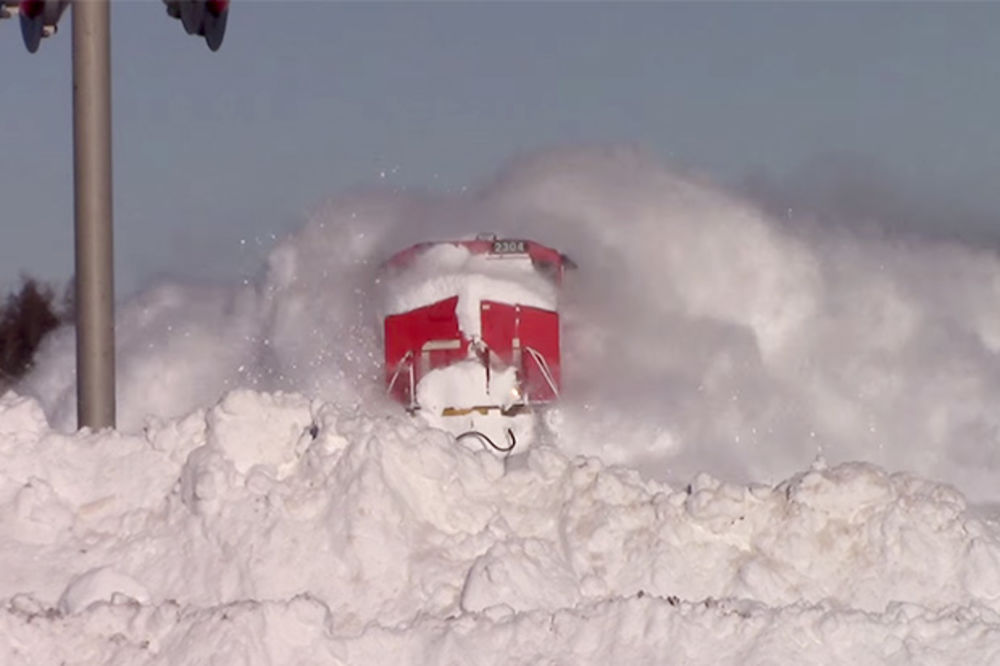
(746, 466)
(700, 331)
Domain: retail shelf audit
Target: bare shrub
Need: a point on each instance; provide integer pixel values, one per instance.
(25, 317)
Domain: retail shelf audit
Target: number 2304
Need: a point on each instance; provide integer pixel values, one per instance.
(508, 247)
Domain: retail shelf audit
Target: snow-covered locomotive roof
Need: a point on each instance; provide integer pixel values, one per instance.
(544, 259)
(518, 272)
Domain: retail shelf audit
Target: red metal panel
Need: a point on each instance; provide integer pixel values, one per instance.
(498, 322)
(539, 332)
(406, 336)
(528, 337)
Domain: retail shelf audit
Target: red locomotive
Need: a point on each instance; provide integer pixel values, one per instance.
(472, 334)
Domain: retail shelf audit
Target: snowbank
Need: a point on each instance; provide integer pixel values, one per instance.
(263, 502)
(699, 333)
(274, 529)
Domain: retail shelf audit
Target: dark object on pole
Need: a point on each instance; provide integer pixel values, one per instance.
(38, 18)
(95, 339)
(206, 18)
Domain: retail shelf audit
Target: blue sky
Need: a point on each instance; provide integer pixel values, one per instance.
(215, 153)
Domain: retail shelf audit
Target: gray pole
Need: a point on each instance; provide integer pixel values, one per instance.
(95, 336)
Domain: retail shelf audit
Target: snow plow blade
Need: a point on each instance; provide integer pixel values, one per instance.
(484, 410)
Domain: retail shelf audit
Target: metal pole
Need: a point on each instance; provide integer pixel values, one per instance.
(95, 338)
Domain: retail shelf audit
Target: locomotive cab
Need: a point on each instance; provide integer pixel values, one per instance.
(471, 335)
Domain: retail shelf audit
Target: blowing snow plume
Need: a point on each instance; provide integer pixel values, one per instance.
(699, 333)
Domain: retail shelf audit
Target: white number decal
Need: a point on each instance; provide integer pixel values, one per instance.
(509, 247)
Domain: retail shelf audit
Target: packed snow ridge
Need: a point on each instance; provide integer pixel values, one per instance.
(264, 502)
(274, 529)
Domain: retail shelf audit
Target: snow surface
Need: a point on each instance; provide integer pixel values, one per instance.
(766, 451)
(465, 385)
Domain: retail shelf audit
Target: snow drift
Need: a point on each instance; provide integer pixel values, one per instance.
(700, 333)
(273, 529)
(755, 460)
